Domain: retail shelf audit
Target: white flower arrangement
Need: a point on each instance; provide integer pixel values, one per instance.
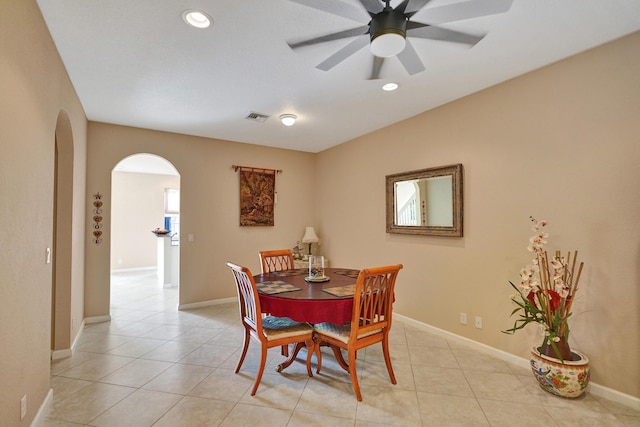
(546, 293)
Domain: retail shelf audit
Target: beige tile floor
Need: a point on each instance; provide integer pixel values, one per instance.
(152, 365)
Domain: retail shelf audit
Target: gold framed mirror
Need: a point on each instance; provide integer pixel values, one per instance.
(426, 202)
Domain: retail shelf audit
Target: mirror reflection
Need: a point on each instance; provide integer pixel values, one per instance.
(427, 201)
(424, 201)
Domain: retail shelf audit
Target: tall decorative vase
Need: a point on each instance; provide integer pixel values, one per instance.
(566, 378)
(564, 351)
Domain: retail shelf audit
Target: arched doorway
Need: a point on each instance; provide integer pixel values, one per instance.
(61, 286)
(143, 193)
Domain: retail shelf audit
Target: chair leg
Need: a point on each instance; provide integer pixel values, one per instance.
(263, 362)
(317, 344)
(354, 375)
(285, 350)
(387, 360)
(310, 348)
(245, 347)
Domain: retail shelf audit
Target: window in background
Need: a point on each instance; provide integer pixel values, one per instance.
(172, 211)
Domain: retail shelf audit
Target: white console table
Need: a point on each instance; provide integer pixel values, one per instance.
(168, 261)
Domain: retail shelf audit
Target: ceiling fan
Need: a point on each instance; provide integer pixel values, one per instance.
(387, 31)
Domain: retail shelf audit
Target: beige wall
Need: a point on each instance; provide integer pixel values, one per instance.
(562, 144)
(35, 91)
(137, 207)
(209, 206)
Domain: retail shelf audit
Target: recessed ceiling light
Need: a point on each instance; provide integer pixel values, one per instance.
(288, 119)
(196, 18)
(390, 86)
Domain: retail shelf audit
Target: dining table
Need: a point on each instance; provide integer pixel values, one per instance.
(293, 294)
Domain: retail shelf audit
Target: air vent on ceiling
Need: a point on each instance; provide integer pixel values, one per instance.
(257, 117)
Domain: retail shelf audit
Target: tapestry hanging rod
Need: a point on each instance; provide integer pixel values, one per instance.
(236, 167)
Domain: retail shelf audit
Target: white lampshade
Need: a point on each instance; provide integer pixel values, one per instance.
(310, 236)
(388, 44)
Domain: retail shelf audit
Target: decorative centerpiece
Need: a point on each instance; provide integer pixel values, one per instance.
(545, 295)
(316, 269)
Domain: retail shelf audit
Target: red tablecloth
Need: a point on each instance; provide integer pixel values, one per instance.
(307, 310)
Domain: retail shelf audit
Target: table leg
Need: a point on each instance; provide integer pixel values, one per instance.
(336, 352)
(294, 353)
(343, 364)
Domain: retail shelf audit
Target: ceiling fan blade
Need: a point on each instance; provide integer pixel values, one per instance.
(414, 24)
(443, 34)
(372, 6)
(338, 8)
(465, 10)
(343, 53)
(410, 60)
(415, 6)
(353, 32)
(402, 6)
(376, 67)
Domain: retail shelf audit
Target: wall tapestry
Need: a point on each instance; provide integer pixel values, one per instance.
(257, 196)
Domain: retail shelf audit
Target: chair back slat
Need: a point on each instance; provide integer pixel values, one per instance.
(276, 260)
(248, 296)
(373, 299)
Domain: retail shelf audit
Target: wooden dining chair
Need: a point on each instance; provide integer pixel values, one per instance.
(269, 331)
(276, 260)
(370, 321)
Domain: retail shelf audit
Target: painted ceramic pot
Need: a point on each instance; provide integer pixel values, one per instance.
(567, 378)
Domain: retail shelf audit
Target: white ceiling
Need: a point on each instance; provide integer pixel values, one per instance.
(136, 63)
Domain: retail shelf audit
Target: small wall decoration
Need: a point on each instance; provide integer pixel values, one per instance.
(257, 195)
(97, 218)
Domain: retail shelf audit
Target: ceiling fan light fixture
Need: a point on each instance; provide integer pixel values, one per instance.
(196, 19)
(387, 45)
(388, 30)
(288, 119)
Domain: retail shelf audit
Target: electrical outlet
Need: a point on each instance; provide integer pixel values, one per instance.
(23, 407)
(478, 322)
(463, 318)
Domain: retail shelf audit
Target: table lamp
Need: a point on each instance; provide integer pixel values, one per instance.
(310, 237)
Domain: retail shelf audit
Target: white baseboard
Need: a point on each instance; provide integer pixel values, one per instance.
(77, 338)
(39, 419)
(593, 388)
(97, 319)
(614, 395)
(61, 354)
(68, 352)
(207, 303)
(133, 270)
